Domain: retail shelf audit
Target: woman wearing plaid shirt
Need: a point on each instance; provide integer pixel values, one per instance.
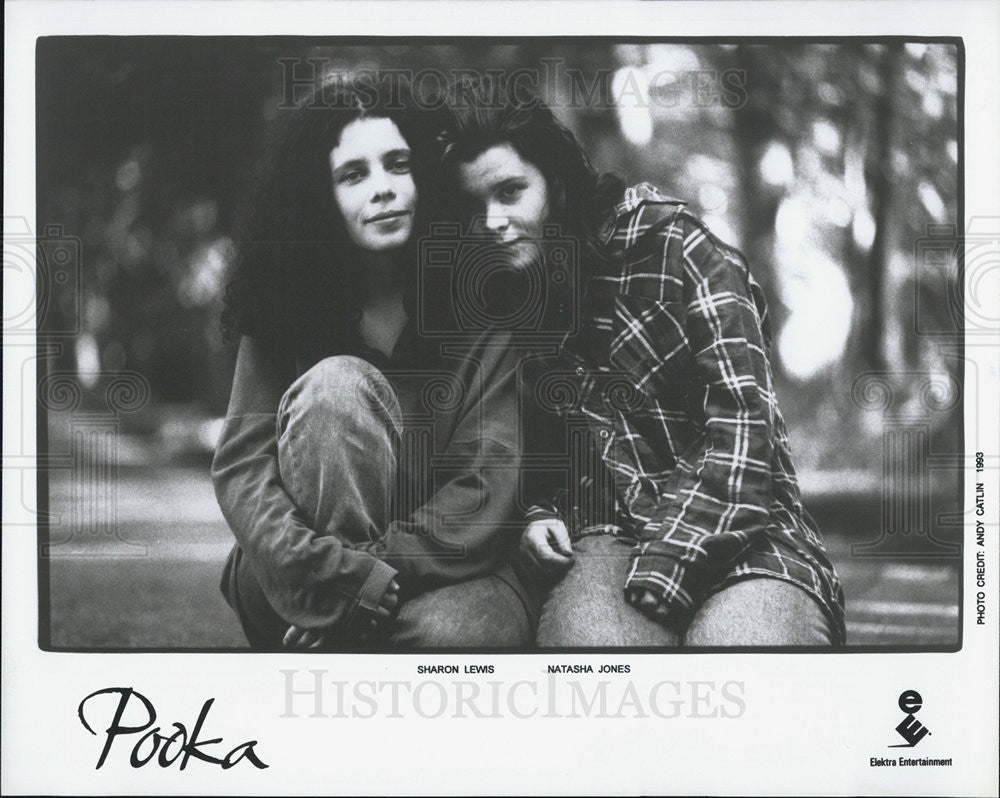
(667, 379)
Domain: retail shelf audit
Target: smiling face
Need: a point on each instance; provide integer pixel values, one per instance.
(373, 184)
(510, 199)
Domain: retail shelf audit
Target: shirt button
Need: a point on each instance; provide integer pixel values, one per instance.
(579, 371)
(604, 433)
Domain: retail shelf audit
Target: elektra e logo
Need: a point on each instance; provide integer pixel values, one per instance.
(909, 728)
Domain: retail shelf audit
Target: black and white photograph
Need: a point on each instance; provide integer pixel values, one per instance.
(615, 352)
(390, 382)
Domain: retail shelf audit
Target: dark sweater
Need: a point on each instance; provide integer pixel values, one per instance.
(458, 515)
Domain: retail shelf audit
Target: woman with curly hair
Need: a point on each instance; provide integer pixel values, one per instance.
(369, 474)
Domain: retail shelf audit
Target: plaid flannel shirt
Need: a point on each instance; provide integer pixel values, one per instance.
(672, 378)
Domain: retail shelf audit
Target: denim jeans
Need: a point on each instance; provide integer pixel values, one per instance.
(587, 608)
(338, 430)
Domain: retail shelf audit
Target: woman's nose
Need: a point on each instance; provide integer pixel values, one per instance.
(381, 186)
(496, 220)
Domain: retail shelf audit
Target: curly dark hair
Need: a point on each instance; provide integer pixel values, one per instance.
(488, 110)
(296, 280)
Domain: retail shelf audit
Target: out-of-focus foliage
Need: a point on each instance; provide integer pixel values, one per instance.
(826, 164)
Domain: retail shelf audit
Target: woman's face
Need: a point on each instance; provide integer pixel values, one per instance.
(373, 184)
(511, 198)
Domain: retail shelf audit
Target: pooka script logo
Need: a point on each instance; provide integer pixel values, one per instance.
(909, 728)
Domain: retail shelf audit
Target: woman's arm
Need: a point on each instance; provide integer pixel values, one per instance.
(720, 497)
(470, 524)
(312, 581)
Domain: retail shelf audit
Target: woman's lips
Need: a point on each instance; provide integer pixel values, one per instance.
(386, 216)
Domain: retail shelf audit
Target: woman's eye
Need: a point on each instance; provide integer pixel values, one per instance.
(352, 176)
(400, 166)
(509, 192)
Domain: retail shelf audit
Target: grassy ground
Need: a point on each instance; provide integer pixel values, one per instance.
(147, 575)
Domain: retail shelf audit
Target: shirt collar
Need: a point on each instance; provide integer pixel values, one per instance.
(633, 198)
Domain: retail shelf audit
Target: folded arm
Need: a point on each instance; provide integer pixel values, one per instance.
(312, 581)
(467, 527)
(719, 496)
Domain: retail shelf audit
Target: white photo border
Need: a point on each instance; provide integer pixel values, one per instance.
(788, 724)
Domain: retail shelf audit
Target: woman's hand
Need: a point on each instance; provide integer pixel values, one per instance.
(546, 545)
(388, 606)
(646, 600)
(299, 638)
(304, 638)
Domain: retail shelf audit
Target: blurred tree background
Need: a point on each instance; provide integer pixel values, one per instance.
(833, 166)
(827, 164)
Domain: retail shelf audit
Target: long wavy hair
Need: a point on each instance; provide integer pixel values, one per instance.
(296, 282)
(488, 110)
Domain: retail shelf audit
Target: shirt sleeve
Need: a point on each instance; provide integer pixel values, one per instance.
(544, 440)
(470, 523)
(311, 580)
(717, 500)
